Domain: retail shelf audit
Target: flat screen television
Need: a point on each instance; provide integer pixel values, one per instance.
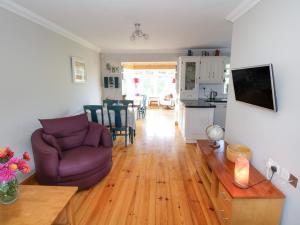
(255, 85)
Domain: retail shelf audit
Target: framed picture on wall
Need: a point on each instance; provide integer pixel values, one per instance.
(78, 70)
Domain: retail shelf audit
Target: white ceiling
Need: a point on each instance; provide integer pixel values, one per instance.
(171, 24)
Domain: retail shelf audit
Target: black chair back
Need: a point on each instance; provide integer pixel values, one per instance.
(126, 102)
(109, 102)
(117, 109)
(93, 109)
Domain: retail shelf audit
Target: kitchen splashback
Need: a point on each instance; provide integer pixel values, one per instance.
(215, 87)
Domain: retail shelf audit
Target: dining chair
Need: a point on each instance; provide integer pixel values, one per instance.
(142, 108)
(127, 102)
(93, 109)
(119, 127)
(109, 102)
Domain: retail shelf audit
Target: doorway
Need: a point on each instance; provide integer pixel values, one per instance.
(155, 81)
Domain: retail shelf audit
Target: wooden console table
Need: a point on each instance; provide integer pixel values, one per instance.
(38, 205)
(257, 205)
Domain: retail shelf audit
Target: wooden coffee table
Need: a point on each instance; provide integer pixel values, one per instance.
(38, 205)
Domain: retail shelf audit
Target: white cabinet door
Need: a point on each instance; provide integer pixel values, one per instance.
(205, 70)
(220, 114)
(189, 75)
(218, 69)
(196, 122)
(212, 69)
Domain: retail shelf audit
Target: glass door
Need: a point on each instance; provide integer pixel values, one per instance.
(190, 76)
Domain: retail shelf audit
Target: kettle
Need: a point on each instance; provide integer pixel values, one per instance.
(213, 94)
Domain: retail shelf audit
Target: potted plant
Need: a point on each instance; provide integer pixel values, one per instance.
(9, 167)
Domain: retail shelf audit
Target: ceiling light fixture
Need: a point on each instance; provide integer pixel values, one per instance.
(138, 33)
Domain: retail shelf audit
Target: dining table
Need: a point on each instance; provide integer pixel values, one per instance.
(131, 117)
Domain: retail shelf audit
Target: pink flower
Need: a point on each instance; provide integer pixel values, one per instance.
(6, 174)
(13, 160)
(26, 156)
(23, 166)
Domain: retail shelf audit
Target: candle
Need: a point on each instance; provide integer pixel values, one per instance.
(241, 172)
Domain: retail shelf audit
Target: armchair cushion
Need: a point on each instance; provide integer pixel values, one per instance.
(106, 138)
(66, 126)
(83, 159)
(51, 140)
(93, 135)
(72, 141)
(69, 132)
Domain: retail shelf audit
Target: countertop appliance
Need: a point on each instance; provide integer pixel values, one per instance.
(213, 94)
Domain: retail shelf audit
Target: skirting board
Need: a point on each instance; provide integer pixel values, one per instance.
(29, 180)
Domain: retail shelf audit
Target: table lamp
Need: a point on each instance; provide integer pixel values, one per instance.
(241, 172)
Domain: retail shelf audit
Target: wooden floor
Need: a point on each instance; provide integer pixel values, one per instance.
(153, 181)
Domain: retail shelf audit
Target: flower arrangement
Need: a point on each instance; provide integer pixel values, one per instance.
(9, 167)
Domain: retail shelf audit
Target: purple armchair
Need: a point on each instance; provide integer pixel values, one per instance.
(71, 151)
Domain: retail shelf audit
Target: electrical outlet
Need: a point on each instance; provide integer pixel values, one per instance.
(269, 164)
(287, 177)
(293, 180)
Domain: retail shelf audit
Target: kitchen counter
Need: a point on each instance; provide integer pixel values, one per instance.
(197, 104)
(217, 100)
(193, 118)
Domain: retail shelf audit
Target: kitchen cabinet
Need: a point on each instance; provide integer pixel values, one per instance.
(193, 120)
(212, 69)
(220, 114)
(189, 68)
(196, 70)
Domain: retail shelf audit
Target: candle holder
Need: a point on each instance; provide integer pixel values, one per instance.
(241, 172)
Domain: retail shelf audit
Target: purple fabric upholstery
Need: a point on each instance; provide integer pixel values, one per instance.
(45, 158)
(106, 138)
(73, 140)
(51, 140)
(82, 160)
(70, 132)
(93, 135)
(89, 179)
(81, 166)
(65, 126)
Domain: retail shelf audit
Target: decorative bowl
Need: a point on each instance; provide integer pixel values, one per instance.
(233, 151)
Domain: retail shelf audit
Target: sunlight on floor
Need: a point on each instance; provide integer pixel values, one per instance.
(159, 125)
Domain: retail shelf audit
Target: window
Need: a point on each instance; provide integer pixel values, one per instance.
(149, 82)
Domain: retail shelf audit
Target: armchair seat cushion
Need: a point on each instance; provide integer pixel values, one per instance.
(83, 159)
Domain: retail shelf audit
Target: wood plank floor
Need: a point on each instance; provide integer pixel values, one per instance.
(153, 181)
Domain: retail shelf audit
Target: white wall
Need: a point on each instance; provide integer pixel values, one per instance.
(35, 83)
(270, 33)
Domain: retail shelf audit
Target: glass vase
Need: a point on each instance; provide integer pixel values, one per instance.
(9, 191)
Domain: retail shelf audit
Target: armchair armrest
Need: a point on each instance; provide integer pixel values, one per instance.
(45, 158)
(106, 138)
